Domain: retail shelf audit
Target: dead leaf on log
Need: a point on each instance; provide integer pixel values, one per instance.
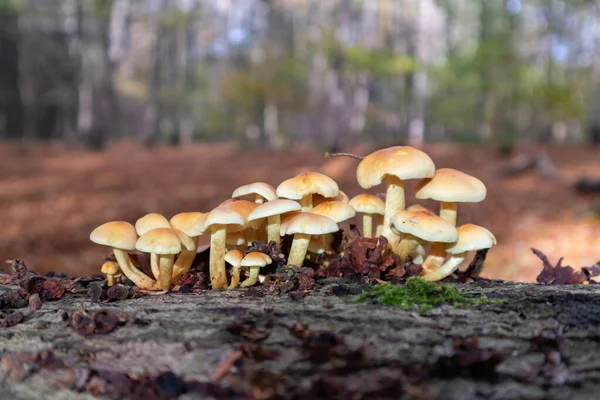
(557, 274)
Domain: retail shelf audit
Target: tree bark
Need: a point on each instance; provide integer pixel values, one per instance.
(541, 343)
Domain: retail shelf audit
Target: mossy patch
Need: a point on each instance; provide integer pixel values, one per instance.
(422, 295)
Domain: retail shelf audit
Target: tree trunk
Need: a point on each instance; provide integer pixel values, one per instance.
(541, 343)
(11, 123)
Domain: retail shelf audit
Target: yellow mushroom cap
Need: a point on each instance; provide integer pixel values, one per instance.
(117, 234)
(404, 162)
(234, 257)
(159, 241)
(274, 207)
(310, 224)
(149, 222)
(186, 221)
(235, 239)
(336, 210)
(307, 183)
(417, 207)
(451, 185)
(285, 220)
(186, 242)
(471, 237)
(318, 199)
(368, 204)
(226, 201)
(110, 268)
(262, 189)
(424, 225)
(244, 208)
(256, 259)
(221, 216)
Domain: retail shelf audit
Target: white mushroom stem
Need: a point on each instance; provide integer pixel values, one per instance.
(165, 264)
(298, 250)
(273, 226)
(218, 273)
(250, 235)
(142, 280)
(411, 246)
(235, 277)
(379, 227)
(307, 203)
(445, 270)
(154, 265)
(448, 211)
(184, 261)
(258, 199)
(435, 259)
(368, 225)
(394, 201)
(252, 278)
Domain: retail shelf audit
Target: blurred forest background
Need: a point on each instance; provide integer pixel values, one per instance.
(472, 81)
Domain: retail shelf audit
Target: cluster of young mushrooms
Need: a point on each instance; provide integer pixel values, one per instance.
(308, 206)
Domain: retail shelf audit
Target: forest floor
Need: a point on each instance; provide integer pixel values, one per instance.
(51, 198)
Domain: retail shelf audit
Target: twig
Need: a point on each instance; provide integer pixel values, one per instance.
(330, 155)
(225, 366)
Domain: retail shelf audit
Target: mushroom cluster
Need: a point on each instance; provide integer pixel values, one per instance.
(308, 207)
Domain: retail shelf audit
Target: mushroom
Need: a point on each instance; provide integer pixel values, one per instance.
(112, 271)
(336, 211)
(449, 187)
(272, 211)
(418, 228)
(244, 208)
(234, 257)
(165, 243)
(302, 226)
(121, 237)
(185, 222)
(260, 191)
(318, 199)
(147, 223)
(395, 165)
(285, 220)
(303, 186)
(217, 222)
(235, 241)
(254, 260)
(368, 204)
(470, 238)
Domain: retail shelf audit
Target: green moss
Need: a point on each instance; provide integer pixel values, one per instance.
(420, 294)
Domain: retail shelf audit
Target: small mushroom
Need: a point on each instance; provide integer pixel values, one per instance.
(254, 260)
(419, 227)
(417, 207)
(394, 165)
(260, 191)
(217, 222)
(147, 223)
(234, 257)
(302, 226)
(121, 237)
(165, 243)
(368, 205)
(450, 186)
(112, 271)
(185, 222)
(470, 238)
(303, 186)
(272, 211)
(336, 211)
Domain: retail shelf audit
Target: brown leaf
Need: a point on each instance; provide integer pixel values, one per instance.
(48, 289)
(118, 292)
(558, 274)
(100, 322)
(16, 298)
